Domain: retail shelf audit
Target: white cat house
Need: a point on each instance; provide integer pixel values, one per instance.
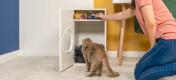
(76, 25)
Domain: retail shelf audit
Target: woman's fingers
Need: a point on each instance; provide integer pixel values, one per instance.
(100, 15)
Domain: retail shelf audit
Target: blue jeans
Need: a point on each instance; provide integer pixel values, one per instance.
(158, 62)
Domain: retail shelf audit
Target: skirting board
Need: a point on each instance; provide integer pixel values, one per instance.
(9, 56)
(132, 54)
(56, 53)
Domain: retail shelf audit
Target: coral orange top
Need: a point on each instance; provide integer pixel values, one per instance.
(166, 24)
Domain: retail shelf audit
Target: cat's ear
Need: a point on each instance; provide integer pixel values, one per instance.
(88, 40)
(86, 44)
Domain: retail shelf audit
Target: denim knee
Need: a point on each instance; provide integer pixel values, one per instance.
(158, 72)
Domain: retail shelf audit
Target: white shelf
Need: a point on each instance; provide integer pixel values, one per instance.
(93, 9)
(88, 20)
(121, 1)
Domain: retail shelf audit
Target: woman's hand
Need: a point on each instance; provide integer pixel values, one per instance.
(117, 16)
(101, 16)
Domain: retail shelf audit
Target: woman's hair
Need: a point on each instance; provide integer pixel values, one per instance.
(133, 5)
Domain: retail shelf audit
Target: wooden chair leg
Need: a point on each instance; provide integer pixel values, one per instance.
(120, 50)
(120, 54)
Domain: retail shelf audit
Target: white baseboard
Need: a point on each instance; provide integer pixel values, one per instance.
(132, 54)
(38, 52)
(9, 56)
(56, 53)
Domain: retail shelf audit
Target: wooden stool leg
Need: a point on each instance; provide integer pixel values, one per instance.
(120, 50)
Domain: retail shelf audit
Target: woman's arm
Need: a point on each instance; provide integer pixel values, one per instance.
(117, 16)
(150, 23)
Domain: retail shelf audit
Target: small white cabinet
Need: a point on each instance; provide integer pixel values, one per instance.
(75, 28)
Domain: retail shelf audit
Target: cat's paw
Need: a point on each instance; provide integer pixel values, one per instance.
(87, 70)
(114, 74)
(90, 75)
(98, 74)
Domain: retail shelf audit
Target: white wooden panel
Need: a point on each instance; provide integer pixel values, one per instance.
(121, 1)
(66, 39)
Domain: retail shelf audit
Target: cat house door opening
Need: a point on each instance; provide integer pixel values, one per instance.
(67, 41)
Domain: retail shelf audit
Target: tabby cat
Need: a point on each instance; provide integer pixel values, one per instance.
(96, 59)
